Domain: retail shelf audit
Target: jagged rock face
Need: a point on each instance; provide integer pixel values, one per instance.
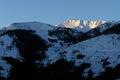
(43, 51)
(71, 23)
(74, 23)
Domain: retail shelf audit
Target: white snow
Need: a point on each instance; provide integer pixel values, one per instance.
(102, 47)
(95, 49)
(7, 49)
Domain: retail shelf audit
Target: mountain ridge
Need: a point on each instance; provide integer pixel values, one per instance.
(82, 24)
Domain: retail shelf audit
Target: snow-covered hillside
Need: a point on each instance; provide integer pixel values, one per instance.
(74, 50)
(40, 28)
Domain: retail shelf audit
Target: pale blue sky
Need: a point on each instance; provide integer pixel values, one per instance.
(56, 11)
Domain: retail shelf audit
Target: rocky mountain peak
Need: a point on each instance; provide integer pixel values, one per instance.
(74, 23)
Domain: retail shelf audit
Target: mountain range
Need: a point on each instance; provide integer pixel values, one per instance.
(72, 50)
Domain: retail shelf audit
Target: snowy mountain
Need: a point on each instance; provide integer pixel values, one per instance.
(73, 50)
(83, 25)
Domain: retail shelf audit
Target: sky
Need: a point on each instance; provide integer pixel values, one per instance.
(56, 11)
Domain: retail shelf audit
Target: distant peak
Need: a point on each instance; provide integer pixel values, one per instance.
(74, 23)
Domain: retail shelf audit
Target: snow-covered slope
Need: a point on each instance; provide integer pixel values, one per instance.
(91, 47)
(40, 28)
(104, 47)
